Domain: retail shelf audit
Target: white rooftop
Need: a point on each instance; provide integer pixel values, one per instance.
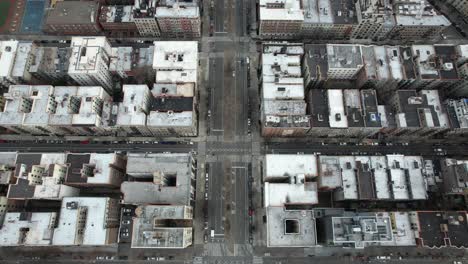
(175, 55)
(403, 233)
(301, 192)
(176, 76)
(418, 13)
(414, 165)
(278, 234)
(434, 100)
(291, 10)
(8, 51)
(95, 230)
(348, 174)
(171, 119)
(379, 166)
(63, 96)
(337, 116)
(39, 114)
(87, 53)
(174, 9)
(318, 12)
(284, 165)
(133, 108)
(22, 60)
(39, 228)
(282, 91)
(89, 110)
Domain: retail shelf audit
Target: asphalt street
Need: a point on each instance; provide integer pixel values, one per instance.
(425, 149)
(216, 192)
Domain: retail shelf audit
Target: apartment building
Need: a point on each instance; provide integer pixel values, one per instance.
(162, 226)
(122, 62)
(26, 108)
(391, 177)
(95, 169)
(144, 12)
(89, 62)
(364, 229)
(280, 18)
(117, 18)
(172, 110)
(176, 61)
(50, 65)
(416, 20)
(133, 111)
(419, 115)
(458, 115)
(327, 19)
(289, 194)
(73, 18)
(282, 90)
(179, 18)
(436, 229)
(60, 110)
(28, 229)
(375, 19)
(87, 221)
(160, 179)
(454, 174)
(16, 58)
(40, 176)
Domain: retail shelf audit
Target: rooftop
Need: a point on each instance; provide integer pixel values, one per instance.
(121, 59)
(329, 12)
(281, 10)
(28, 229)
(316, 59)
(370, 108)
(175, 55)
(353, 107)
(39, 176)
(296, 192)
(116, 14)
(144, 8)
(158, 226)
(361, 230)
(95, 227)
(344, 56)
(94, 168)
(440, 229)
(52, 60)
(330, 172)
(178, 8)
(133, 108)
(87, 53)
(284, 107)
(8, 51)
(286, 165)
(337, 116)
(73, 12)
(282, 91)
(318, 108)
(418, 12)
(23, 55)
(163, 179)
(286, 228)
